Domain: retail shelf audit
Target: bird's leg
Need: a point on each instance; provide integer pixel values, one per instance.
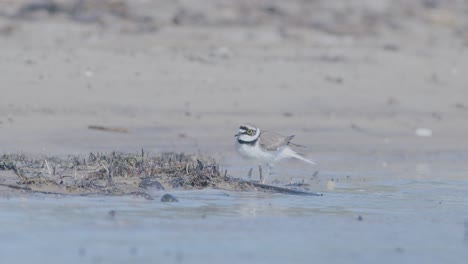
(268, 172)
(249, 174)
(260, 173)
(270, 168)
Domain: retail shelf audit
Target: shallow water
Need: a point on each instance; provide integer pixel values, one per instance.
(389, 207)
(408, 221)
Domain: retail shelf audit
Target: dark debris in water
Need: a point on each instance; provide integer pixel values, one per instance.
(168, 198)
(121, 174)
(466, 231)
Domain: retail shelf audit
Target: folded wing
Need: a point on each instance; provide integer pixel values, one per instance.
(273, 141)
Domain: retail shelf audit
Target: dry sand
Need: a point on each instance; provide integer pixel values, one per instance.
(346, 78)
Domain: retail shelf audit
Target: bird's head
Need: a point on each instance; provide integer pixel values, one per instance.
(247, 133)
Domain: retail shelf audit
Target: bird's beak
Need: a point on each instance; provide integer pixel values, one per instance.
(236, 135)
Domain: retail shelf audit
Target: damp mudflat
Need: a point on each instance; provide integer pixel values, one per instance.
(359, 219)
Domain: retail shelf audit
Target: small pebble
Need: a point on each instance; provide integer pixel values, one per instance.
(88, 73)
(151, 183)
(111, 213)
(168, 198)
(423, 132)
(222, 52)
(331, 185)
(400, 250)
(459, 105)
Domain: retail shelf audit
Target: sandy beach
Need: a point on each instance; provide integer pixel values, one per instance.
(376, 90)
(195, 81)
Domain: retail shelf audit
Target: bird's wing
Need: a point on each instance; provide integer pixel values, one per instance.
(273, 141)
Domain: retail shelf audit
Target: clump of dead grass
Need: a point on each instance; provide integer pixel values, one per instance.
(119, 174)
(112, 173)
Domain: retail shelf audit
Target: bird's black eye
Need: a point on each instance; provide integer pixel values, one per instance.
(250, 132)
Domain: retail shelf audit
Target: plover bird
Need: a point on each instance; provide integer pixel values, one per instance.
(265, 147)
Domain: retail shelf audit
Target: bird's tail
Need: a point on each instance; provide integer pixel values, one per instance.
(293, 154)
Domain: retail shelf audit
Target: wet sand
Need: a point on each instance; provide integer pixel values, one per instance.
(375, 89)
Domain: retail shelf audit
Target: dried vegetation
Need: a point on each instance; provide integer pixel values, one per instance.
(120, 174)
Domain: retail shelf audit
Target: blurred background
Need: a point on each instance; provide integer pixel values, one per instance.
(349, 78)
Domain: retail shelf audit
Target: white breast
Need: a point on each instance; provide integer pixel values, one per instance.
(255, 153)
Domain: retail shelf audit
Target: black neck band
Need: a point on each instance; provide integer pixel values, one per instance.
(251, 143)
